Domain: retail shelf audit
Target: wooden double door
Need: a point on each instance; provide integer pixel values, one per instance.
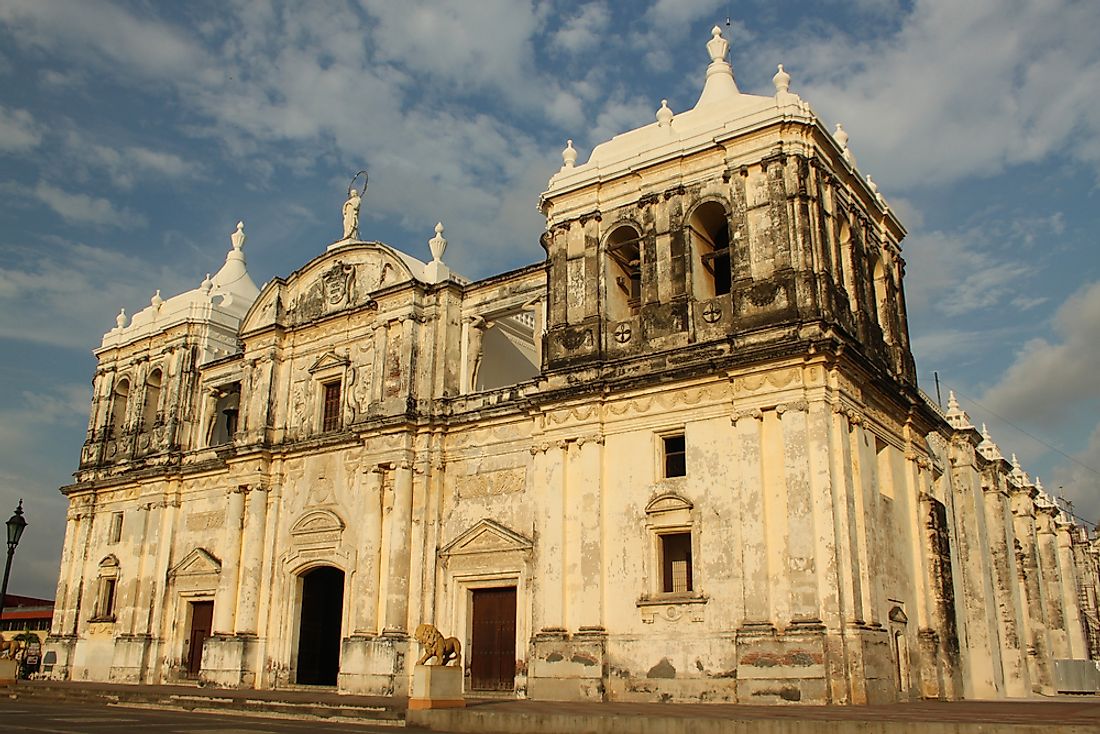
(493, 639)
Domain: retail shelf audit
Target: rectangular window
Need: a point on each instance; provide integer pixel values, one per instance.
(675, 455)
(330, 420)
(116, 528)
(676, 562)
(107, 598)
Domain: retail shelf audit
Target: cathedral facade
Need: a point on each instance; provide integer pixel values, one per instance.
(685, 457)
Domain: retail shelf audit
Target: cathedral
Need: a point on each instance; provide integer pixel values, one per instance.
(682, 458)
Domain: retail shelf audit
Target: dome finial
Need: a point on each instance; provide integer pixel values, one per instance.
(438, 244)
(120, 320)
(781, 80)
(717, 46)
(720, 85)
(664, 114)
(569, 155)
(238, 237)
(156, 301)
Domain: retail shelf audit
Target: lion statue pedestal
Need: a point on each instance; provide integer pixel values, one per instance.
(436, 686)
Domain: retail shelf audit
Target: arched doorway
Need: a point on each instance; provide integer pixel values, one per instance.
(319, 627)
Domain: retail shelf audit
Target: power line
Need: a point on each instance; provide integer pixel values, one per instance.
(1028, 434)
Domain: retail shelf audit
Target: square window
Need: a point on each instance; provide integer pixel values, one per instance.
(675, 455)
(330, 419)
(676, 563)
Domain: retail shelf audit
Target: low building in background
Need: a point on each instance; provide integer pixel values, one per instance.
(683, 458)
(26, 614)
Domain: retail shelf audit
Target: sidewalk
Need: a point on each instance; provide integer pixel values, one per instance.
(1062, 715)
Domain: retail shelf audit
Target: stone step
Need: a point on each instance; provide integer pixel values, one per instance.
(279, 704)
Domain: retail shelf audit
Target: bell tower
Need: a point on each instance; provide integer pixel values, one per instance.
(735, 228)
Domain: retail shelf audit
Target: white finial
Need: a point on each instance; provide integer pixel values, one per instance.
(717, 46)
(841, 137)
(720, 85)
(569, 155)
(782, 81)
(872, 185)
(238, 237)
(438, 244)
(206, 284)
(1015, 461)
(120, 320)
(664, 114)
(156, 300)
(985, 433)
(952, 401)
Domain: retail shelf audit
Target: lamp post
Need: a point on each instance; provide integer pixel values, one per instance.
(16, 525)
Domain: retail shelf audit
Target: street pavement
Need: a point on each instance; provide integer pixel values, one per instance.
(57, 717)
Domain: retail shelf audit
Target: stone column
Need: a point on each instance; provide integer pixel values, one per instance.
(225, 602)
(1005, 588)
(584, 567)
(1038, 652)
(367, 555)
(148, 577)
(801, 561)
(68, 578)
(749, 485)
(550, 462)
(1052, 580)
(397, 596)
(252, 561)
(1078, 648)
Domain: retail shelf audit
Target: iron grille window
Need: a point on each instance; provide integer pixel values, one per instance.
(330, 420)
(676, 562)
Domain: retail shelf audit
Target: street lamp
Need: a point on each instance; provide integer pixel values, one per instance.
(16, 525)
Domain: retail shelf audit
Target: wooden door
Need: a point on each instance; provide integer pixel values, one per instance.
(202, 619)
(493, 643)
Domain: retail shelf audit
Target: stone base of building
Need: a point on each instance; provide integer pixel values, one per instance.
(782, 667)
(563, 667)
(375, 665)
(131, 658)
(227, 661)
(62, 648)
(436, 687)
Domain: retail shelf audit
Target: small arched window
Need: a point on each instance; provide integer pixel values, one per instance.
(708, 230)
(152, 399)
(846, 266)
(119, 402)
(881, 310)
(624, 273)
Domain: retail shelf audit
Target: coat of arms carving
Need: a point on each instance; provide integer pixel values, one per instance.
(338, 281)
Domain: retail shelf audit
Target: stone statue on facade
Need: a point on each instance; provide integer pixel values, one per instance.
(351, 207)
(435, 645)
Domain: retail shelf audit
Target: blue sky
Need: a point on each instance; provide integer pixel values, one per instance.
(134, 135)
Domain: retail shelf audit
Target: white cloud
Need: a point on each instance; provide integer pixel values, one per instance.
(19, 132)
(127, 163)
(128, 43)
(957, 273)
(1078, 479)
(1053, 378)
(961, 89)
(77, 208)
(66, 294)
(582, 31)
